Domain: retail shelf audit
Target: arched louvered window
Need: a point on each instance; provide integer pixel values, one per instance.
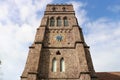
(62, 65)
(58, 21)
(65, 21)
(54, 9)
(54, 65)
(52, 21)
(64, 9)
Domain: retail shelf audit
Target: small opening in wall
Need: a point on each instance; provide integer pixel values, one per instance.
(54, 9)
(58, 53)
(64, 9)
(53, 31)
(61, 31)
(57, 31)
(48, 43)
(68, 43)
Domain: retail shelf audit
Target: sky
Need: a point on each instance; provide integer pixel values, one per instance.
(19, 19)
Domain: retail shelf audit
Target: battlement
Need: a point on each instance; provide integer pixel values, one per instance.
(59, 7)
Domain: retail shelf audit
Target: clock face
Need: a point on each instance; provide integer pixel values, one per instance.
(59, 38)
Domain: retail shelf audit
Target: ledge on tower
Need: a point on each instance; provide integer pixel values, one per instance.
(59, 5)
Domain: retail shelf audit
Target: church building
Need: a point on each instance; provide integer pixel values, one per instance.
(59, 51)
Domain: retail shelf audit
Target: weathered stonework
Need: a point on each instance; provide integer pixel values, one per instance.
(71, 47)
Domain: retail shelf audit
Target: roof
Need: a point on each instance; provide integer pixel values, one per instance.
(108, 75)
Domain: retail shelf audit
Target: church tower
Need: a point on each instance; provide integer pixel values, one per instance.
(59, 51)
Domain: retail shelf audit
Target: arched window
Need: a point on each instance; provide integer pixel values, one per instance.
(52, 21)
(62, 65)
(65, 21)
(58, 21)
(64, 9)
(54, 9)
(54, 65)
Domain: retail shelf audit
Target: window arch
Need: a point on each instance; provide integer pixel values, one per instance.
(52, 21)
(58, 21)
(54, 65)
(64, 9)
(54, 9)
(62, 65)
(65, 21)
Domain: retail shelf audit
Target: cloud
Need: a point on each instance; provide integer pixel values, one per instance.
(104, 38)
(4, 11)
(81, 13)
(13, 37)
(114, 8)
(18, 22)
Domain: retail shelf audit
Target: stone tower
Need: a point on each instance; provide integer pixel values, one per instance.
(59, 51)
